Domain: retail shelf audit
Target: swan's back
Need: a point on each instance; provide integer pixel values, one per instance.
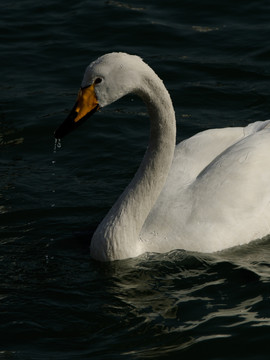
(217, 194)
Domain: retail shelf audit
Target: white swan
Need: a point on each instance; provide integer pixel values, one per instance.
(206, 194)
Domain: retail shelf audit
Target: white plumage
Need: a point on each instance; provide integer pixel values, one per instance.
(208, 193)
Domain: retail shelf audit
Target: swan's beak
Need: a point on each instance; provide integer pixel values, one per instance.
(85, 106)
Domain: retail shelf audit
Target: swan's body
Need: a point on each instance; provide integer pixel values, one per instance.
(208, 193)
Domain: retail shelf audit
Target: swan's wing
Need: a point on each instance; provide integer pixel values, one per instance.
(231, 196)
(223, 195)
(196, 153)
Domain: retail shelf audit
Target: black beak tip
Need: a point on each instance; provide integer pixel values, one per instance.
(69, 125)
(56, 134)
(60, 133)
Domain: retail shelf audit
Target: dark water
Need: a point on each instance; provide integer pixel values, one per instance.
(55, 302)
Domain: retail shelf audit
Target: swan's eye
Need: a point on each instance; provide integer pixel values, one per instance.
(97, 81)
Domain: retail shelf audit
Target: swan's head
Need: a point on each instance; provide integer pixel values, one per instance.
(105, 80)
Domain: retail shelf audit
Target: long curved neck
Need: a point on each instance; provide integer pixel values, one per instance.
(118, 235)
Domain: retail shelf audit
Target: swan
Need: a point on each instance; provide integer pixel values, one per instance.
(208, 193)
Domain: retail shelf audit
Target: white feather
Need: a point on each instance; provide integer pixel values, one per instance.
(208, 193)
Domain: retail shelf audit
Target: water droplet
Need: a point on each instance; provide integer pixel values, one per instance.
(57, 144)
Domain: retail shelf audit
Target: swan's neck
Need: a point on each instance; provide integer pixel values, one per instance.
(118, 235)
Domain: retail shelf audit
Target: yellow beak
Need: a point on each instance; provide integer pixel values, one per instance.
(85, 106)
(86, 102)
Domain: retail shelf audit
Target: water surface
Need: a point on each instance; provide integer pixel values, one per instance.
(57, 303)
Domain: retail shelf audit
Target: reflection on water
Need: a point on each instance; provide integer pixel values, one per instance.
(8, 136)
(167, 297)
